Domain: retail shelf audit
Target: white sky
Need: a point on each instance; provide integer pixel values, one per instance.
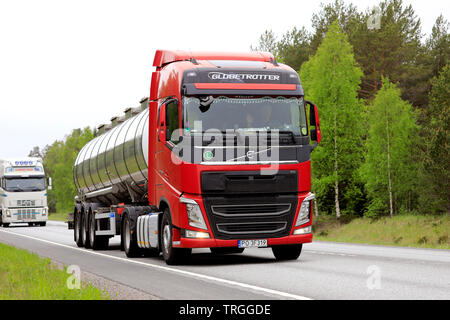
(71, 64)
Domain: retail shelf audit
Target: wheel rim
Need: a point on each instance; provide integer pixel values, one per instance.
(83, 230)
(166, 238)
(77, 229)
(92, 229)
(127, 235)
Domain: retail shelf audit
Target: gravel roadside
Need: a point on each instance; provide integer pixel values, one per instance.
(116, 290)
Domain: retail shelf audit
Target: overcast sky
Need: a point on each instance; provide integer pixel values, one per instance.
(72, 64)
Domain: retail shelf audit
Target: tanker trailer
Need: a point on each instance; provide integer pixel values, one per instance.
(109, 171)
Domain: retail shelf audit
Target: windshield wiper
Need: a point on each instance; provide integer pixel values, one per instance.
(14, 189)
(36, 189)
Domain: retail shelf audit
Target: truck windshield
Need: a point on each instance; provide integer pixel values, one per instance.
(24, 184)
(249, 114)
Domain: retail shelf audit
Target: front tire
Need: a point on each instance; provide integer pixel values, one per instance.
(171, 255)
(287, 252)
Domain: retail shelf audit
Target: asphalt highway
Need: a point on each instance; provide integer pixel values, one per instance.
(325, 270)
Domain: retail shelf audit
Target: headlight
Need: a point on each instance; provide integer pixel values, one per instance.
(44, 211)
(8, 213)
(194, 213)
(305, 209)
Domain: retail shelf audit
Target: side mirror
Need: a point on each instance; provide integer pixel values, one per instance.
(162, 123)
(315, 134)
(49, 185)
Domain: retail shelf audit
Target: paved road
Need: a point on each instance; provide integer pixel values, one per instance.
(325, 270)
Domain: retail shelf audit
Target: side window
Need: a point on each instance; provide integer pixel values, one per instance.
(172, 122)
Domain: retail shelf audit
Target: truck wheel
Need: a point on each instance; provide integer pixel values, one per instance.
(226, 250)
(43, 224)
(287, 252)
(85, 230)
(97, 242)
(129, 239)
(77, 229)
(171, 255)
(5, 225)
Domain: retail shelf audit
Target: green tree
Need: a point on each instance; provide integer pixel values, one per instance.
(347, 16)
(389, 170)
(293, 49)
(392, 50)
(435, 193)
(267, 42)
(331, 79)
(438, 45)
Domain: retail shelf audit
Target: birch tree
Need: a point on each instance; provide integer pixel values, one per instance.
(389, 169)
(331, 79)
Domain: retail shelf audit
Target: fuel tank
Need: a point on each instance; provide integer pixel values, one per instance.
(113, 167)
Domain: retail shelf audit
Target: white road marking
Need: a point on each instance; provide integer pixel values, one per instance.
(186, 273)
(331, 253)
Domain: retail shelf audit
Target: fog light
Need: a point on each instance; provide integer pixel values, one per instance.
(196, 234)
(305, 230)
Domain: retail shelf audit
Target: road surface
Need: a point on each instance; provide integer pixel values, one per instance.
(324, 270)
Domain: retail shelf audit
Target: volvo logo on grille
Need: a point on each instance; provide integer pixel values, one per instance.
(25, 203)
(250, 154)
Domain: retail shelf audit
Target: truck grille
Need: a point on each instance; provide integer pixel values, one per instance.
(237, 217)
(26, 214)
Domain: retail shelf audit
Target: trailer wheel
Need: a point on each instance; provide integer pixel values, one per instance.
(226, 250)
(77, 229)
(287, 252)
(129, 239)
(85, 229)
(171, 255)
(97, 242)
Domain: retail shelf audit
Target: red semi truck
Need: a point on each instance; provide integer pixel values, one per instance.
(217, 157)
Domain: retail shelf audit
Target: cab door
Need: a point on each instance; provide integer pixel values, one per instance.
(169, 123)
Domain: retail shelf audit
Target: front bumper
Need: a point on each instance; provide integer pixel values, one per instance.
(213, 243)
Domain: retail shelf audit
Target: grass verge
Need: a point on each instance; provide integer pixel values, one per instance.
(26, 276)
(58, 216)
(403, 230)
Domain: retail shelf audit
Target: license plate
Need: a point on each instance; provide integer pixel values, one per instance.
(252, 243)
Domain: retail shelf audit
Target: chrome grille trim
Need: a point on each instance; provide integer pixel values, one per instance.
(258, 209)
(242, 227)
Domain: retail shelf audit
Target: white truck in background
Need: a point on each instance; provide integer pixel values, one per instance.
(23, 192)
